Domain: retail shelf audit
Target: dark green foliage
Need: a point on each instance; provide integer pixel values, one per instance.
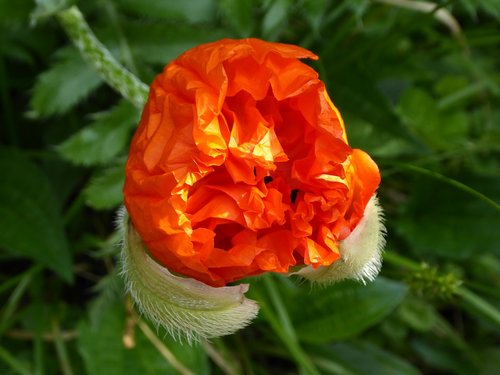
(421, 100)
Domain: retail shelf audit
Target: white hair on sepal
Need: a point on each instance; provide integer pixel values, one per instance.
(186, 308)
(360, 252)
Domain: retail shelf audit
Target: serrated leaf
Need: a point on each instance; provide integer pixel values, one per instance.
(193, 11)
(68, 81)
(100, 344)
(345, 309)
(31, 224)
(103, 139)
(104, 191)
(239, 14)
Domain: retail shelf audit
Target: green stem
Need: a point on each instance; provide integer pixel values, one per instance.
(449, 181)
(471, 300)
(96, 54)
(13, 362)
(401, 261)
(14, 299)
(478, 304)
(283, 327)
(62, 353)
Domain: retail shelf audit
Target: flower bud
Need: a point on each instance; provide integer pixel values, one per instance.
(185, 307)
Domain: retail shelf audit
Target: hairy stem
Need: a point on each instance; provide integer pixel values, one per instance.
(97, 55)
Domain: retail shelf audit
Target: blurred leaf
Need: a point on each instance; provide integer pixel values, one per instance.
(489, 360)
(103, 352)
(275, 18)
(159, 43)
(440, 220)
(102, 140)
(345, 309)
(418, 314)
(365, 358)
(48, 8)
(491, 7)
(444, 357)
(64, 85)
(354, 91)
(31, 224)
(17, 13)
(440, 130)
(239, 14)
(193, 11)
(315, 12)
(104, 190)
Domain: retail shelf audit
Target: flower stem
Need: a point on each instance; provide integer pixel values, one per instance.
(61, 351)
(478, 304)
(164, 351)
(283, 327)
(96, 54)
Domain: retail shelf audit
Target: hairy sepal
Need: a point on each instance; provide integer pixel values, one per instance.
(186, 308)
(360, 253)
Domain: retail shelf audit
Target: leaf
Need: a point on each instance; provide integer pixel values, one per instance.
(104, 190)
(102, 140)
(48, 8)
(148, 42)
(18, 13)
(365, 358)
(60, 88)
(440, 220)
(31, 224)
(441, 130)
(345, 309)
(100, 344)
(354, 91)
(239, 14)
(275, 19)
(193, 11)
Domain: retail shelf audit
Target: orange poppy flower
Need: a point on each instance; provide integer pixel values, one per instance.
(241, 165)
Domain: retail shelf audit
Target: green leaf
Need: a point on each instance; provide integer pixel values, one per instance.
(67, 82)
(18, 13)
(102, 140)
(441, 130)
(159, 43)
(239, 14)
(193, 11)
(345, 309)
(104, 190)
(275, 18)
(354, 91)
(31, 224)
(362, 358)
(440, 220)
(100, 344)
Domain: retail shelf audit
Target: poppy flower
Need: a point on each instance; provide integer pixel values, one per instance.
(241, 165)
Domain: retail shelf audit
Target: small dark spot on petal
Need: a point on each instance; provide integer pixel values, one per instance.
(268, 179)
(293, 195)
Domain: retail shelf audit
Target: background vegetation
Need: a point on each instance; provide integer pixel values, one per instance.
(420, 98)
